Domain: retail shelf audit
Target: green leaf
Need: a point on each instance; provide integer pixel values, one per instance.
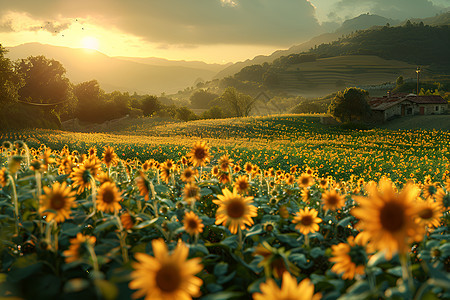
(198, 248)
(224, 296)
(220, 269)
(145, 223)
(316, 252)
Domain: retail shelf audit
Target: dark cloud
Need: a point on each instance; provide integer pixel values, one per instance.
(52, 27)
(269, 22)
(395, 9)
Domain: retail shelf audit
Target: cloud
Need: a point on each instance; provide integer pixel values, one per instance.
(52, 27)
(395, 9)
(6, 26)
(265, 22)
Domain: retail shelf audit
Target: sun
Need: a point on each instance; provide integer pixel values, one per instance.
(90, 42)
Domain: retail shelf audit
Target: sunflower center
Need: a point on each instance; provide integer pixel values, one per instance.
(305, 180)
(58, 201)
(192, 224)
(108, 196)
(243, 185)
(192, 192)
(187, 174)
(108, 157)
(332, 200)
(392, 216)
(426, 213)
(235, 209)
(307, 220)
(200, 153)
(168, 278)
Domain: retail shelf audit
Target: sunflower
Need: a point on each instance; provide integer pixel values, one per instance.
(224, 178)
(429, 190)
(215, 171)
(236, 168)
(143, 185)
(103, 177)
(305, 180)
(184, 160)
(82, 175)
(191, 192)
(110, 158)
(47, 158)
(241, 184)
(306, 195)
(92, 152)
(389, 217)
(248, 167)
(307, 220)
(350, 258)
(166, 276)
(57, 201)
(275, 260)
(127, 220)
(192, 223)
(447, 184)
(170, 164)
(4, 177)
(293, 169)
(199, 155)
(108, 198)
(289, 179)
(78, 247)
(332, 200)
(443, 198)
(234, 210)
(189, 175)
(165, 172)
(290, 289)
(225, 163)
(323, 183)
(429, 213)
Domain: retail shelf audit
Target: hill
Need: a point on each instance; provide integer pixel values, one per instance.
(142, 76)
(362, 22)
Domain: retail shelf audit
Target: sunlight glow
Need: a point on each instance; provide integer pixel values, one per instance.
(90, 42)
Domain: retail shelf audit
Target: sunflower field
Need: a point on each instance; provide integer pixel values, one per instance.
(275, 217)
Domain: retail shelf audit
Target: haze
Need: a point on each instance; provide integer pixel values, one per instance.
(213, 31)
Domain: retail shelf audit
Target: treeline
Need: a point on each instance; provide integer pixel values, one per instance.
(35, 92)
(414, 43)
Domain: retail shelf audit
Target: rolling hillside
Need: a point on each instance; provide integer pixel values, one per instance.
(119, 74)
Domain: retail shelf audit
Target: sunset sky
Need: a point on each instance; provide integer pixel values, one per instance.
(209, 30)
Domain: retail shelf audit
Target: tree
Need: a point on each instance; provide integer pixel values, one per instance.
(150, 105)
(350, 104)
(201, 99)
(90, 101)
(239, 104)
(45, 81)
(10, 82)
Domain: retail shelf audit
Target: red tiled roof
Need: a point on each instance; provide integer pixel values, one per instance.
(383, 103)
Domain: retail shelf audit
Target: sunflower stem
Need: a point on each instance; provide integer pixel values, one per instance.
(406, 274)
(241, 241)
(94, 198)
(16, 202)
(38, 195)
(48, 233)
(94, 258)
(55, 236)
(122, 236)
(307, 240)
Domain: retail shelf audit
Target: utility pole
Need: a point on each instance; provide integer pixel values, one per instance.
(418, 72)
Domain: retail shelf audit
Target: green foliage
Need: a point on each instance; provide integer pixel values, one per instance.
(20, 116)
(150, 105)
(421, 45)
(10, 82)
(215, 112)
(45, 81)
(350, 104)
(236, 104)
(201, 98)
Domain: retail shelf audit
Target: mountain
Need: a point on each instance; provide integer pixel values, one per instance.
(363, 21)
(156, 61)
(144, 76)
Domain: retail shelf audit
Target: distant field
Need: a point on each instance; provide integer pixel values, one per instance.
(336, 72)
(274, 141)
